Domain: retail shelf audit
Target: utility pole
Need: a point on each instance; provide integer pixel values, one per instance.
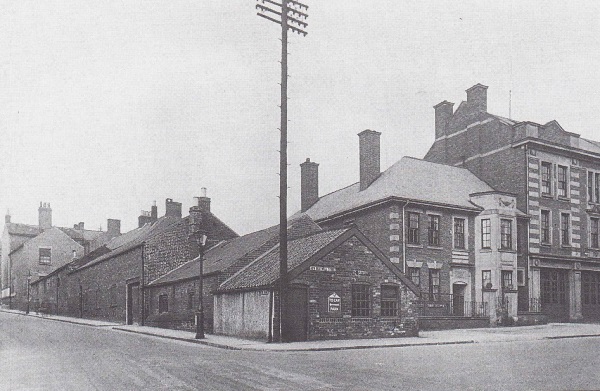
(289, 14)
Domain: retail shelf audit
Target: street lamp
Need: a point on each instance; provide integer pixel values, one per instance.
(200, 313)
(28, 285)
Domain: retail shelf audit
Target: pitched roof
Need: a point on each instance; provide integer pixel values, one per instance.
(265, 270)
(409, 178)
(225, 254)
(23, 229)
(132, 239)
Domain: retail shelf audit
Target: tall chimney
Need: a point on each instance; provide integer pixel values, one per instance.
(154, 211)
(369, 157)
(443, 112)
(203, 201)
(477, 97)
(113, 227)
(45, 216)
(309, 184)
(172, 208)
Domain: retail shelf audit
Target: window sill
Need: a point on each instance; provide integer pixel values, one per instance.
(563, 198)
(545, 195)
(507, 250)
(485, 250)
(566, 246)
(546, 245)
(414, 245)
(434, 247)
(462, 249)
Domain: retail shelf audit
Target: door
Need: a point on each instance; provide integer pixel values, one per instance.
(133, 303)
(590, 295)
(298, 314)
(458, 299)
(555, 294)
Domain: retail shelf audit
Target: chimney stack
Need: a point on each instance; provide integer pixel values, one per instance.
(7, 217)
(154, 211)
(81, 225)
(369, 151)
(443, 112)
(309, 184)
(477, 97)
(172, 208)
(113, 227)
(203, 201)
(45, 216)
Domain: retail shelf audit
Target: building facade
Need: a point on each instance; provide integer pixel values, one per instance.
(555, 175)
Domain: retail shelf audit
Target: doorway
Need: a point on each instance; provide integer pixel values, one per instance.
(133, 303)
(458, 299)
(298, 314)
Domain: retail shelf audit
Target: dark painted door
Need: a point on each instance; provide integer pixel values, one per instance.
(458, 300)
(590, 295)
(298, 314)
(133, 303)
(555, 294)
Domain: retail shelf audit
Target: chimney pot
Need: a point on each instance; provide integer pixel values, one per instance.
(369, 152)
(44, 216)
(477, 97)
(309, 184)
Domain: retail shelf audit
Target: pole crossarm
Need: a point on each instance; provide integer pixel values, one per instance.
(295, 29)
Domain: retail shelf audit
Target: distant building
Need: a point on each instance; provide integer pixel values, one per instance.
(29, 252)
(555, 177)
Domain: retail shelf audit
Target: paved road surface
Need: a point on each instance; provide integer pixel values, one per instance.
(40, 354)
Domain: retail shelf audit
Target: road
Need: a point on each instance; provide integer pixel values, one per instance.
(41, 354)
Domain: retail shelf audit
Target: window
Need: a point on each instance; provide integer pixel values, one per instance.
(190, 303)
(486, 233)
(163, 303)
(45, 256)
(434, 284)
(459, 233)
(507, 279)
(413, 228)
(597, 188)
(546, 178)
(545, 223)
(590, 287)
(521, 277)
(565, 229)
(506, 234)
(434, 230)
(486, 279)
(594, 225)
(389, 300)
(593, 183)
(414, 274)
(360, 300)
(553, 286)
(562, 181)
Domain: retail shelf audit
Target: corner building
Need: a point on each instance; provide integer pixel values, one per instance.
(555, 176)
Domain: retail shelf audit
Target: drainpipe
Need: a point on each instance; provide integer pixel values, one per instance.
(143, 290)
(526, 253)
(404, 237)
(270, 337)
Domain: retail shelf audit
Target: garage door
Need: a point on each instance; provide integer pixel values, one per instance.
(555, 294)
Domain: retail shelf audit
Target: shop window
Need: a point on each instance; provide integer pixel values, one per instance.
(459, 233)
(486, 279)
(361, 300)
(389, 300)
(545, 226)
(415, 276)
(565, 229)
(506, 234)
(434, 231)
(486, 233)
(163, 303)
(434, 284)
(413, 228)
(594, 231)
(562, 181)
(45, 255)
(546, 178)
(554, 286)
(590, 288)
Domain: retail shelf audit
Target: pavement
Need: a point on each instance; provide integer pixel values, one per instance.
(426, 338)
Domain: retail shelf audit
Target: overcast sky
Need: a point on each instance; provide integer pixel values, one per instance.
(106, 106)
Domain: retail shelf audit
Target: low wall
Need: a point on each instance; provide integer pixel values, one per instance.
(452, 322)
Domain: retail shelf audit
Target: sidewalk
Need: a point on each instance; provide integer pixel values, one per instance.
(426, 338)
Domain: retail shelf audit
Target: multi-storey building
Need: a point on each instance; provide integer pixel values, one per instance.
(440, 224)
(555, 175)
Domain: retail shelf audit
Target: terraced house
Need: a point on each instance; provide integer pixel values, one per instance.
(555, 176)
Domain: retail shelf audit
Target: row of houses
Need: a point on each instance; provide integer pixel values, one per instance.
(498, 224)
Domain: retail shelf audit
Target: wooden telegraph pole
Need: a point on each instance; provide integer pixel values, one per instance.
(289, 14)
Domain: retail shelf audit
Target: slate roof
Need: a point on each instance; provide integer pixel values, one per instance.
(264, 271)
(23, 229)
(411, 179)
(225, 254)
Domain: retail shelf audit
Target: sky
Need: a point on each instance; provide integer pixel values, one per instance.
(107, 106)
